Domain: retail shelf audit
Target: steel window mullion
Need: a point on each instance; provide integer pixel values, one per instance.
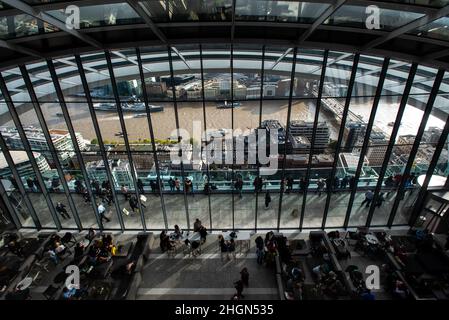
(413, 152)
(422, 192)
(27, 147)
(287, 132)
(262, 75)
(16, 176)
(93, 115)
(125, 134)
(365, 145)
(234, 145)
(341, 131)
(392, 140)
(153, 143)
(175, 105)
(40, 116)
(314, 129)
(205, 128)
(71, 130)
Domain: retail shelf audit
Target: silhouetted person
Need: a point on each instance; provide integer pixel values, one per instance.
(188, 186)
(14, 182)
(238, 285)
(125, 193)
(380, 199)
(344, 182)
(258, 184)
(102, 212)
(133, 203)
(96, 186)
(171, 183)
(60, 208)
(290, 182)
(369, 195)
(320, 185)
(30, 183)
(303, 185)
(140, 186)
(244, 276)
(352, 182)
(239, 186)
(267, 199)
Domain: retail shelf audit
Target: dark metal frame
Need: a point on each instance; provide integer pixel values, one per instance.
(391, 143)
(71, 130)
(125, 135)
(365, 145)
(205, 128)
(287, 133)
(93, 116)
(401, 189)
(153, 143)
(421, 198)
(262, 78)
(312, 142)
(340, 136)
(48, 139)
(175, 105)
(20, 185)
(16, 119)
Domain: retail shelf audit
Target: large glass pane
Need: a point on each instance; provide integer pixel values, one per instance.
(196, 10)
(356, 16)
(280, 11)
(437, 29)
(12, 194)
(338, 71)
(101, 15)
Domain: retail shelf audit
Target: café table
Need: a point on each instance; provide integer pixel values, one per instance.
(371, 239)
(243, 238)
(191, 236)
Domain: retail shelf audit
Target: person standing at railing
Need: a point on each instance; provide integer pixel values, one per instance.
(352, 182)
(303, 185)
(267, 199)
(171, 183)
(177, 184)
(290, 182)
(188, 186)
(336, 183)
(258, 184)
(389, 183)
(344, 182)
(140, 186)
(320, 185)
(239, 186)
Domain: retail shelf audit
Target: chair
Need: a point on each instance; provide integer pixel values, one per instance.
(43, 263)
(171, 251)
(195, 248)
(188, 248)
(50, 292)
(232, 253)
(68, 239)
(36, 275)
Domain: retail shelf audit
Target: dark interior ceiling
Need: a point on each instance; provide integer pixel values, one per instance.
(397, 43)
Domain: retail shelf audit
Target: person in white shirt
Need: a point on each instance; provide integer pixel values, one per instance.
(102, 212)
